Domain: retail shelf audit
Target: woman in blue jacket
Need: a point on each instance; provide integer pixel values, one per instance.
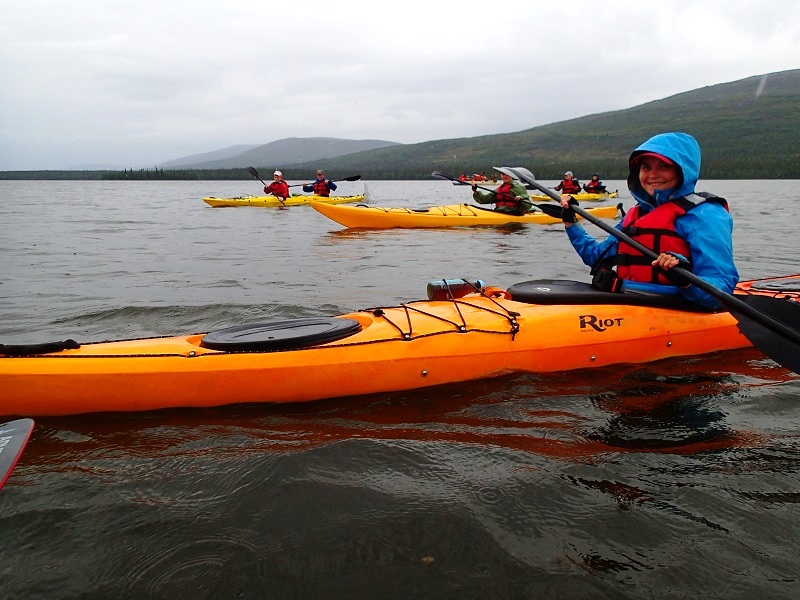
(687, 229)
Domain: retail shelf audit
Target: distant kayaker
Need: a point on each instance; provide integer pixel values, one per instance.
(687, 229)
(510, 197)
(568, 185)
(594, 185)
(278, 187)
(322, 186)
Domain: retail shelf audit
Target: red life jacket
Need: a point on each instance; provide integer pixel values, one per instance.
(321, 188)
(594, 185)
(569, 186)
(656, 230)
(504, 197)
(279, 188)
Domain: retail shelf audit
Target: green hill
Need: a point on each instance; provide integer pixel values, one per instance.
(748, 129)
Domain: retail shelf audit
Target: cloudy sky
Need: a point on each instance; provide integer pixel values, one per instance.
(135, 83)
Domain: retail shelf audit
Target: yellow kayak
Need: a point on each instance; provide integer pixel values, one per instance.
(270, 201)
(583, 197)
(455, 215)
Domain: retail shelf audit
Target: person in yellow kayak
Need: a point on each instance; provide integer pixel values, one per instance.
(278, 188)
(511, 197)
(320, 187)
(687, 229)
(594, 185)
(568, 185)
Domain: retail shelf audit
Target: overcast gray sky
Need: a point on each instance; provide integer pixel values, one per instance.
(136, 83)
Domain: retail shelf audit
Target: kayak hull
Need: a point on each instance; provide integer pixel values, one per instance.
(582, 197)
(456, 215)
(415, 345)
(272, 201)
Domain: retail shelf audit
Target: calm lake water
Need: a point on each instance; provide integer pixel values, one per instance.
(678, 479)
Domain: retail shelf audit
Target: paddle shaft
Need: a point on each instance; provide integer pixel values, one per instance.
(726, 299)
(351, 178)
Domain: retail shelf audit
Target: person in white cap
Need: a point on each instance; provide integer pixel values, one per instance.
(568, 185)
(278, 187)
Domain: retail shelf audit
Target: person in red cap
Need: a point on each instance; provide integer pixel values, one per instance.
(687, 229)
(278, 187)
(322, 186)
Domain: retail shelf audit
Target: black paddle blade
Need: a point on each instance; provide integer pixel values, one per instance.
(352, 178)
(253, 172)
(783, 349)
(551, 210)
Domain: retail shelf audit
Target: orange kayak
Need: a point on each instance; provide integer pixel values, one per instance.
(473, 333)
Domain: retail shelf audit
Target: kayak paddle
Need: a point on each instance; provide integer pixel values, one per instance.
(13, 437)
(548, 209)
(771, 324)
(254, 173)
(351, 178)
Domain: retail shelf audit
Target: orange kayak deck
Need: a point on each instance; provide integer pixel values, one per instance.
(416, 344)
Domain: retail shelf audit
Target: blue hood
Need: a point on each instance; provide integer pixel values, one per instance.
(680, 148)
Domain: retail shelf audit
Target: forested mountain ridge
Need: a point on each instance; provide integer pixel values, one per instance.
(747, 129)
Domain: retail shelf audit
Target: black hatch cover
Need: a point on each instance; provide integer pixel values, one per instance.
(281, 335)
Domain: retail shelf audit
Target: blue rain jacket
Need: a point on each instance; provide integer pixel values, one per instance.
(708, 228)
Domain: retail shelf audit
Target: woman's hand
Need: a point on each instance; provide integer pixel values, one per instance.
(567, 212)
(666, 261)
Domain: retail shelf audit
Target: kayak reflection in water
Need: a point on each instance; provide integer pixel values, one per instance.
(687, 229)
(511, 197)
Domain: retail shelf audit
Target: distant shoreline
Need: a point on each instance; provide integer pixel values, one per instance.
(225, 175)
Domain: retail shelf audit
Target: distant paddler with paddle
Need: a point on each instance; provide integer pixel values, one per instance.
(511, 197)
(322, 186)
(685, 229)
(594, 185)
